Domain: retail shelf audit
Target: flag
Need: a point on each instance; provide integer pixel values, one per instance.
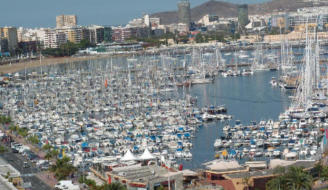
(106, 83)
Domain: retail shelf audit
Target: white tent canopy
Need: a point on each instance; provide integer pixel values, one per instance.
(128, 156)
(147, 155)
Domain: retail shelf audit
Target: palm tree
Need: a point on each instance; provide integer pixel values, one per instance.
(63, 168)
(324, 174)
(298, 179)
(48, 156)
(277, 183)
(317, 170)
(113, 186)
(54, 153)
(50, 151)
(295, 178)
(47, 147)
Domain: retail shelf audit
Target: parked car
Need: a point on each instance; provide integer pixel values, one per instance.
(26, 165)
(14, 150)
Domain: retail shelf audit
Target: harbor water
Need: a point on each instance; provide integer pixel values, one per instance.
(248, 99)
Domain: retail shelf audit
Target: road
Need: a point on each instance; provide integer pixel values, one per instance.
(28, 173)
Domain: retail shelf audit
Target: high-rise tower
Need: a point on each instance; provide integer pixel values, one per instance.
(184, 12)
(242, 16)
(66, 21)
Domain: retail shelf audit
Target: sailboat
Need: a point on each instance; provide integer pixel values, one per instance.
(201, 78)
(258, 62)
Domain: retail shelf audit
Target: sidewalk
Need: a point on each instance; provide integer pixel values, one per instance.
(19, 139)
(48, 178)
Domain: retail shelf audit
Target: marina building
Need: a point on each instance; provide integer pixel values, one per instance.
(28, 46)
(180, 28)
(10, 33)
(108, 33)
(142, 172)
(314, 16)
(208, 20)
(66, 21)
(96, 34)
(279, 21)
(145, 22)
(298, 21)
(120, 34)
(231, 175)
(146, 177)
(155, 22)
(3, 45)
(74, 34)
(293, 36)
(184, 12)
(54, 38)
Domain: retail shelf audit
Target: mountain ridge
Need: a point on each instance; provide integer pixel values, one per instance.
(226, 9)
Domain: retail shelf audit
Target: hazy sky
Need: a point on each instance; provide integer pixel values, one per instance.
(42, 13)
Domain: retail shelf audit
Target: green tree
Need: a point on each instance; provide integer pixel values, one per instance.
(235, 36)
(184, 39)
(85, 44)
(2, 149)
(48, 156)
(199, 38)
(277, 183)
(63, 168)
(13, 128)
(324, 174)
(298, 179)
(294, 178)
(317, 170)
(54, 153)
(48, 148)
(8, 175)
(112, 186)
(5, 119)
(89, 182)
(22, 131)
(51, 154)
(34, 139)
(67, 49)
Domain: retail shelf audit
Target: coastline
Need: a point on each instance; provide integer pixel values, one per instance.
(16, 67)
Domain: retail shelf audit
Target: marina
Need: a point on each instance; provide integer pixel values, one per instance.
(182, 110)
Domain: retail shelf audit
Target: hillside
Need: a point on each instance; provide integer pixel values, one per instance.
(224, 9)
